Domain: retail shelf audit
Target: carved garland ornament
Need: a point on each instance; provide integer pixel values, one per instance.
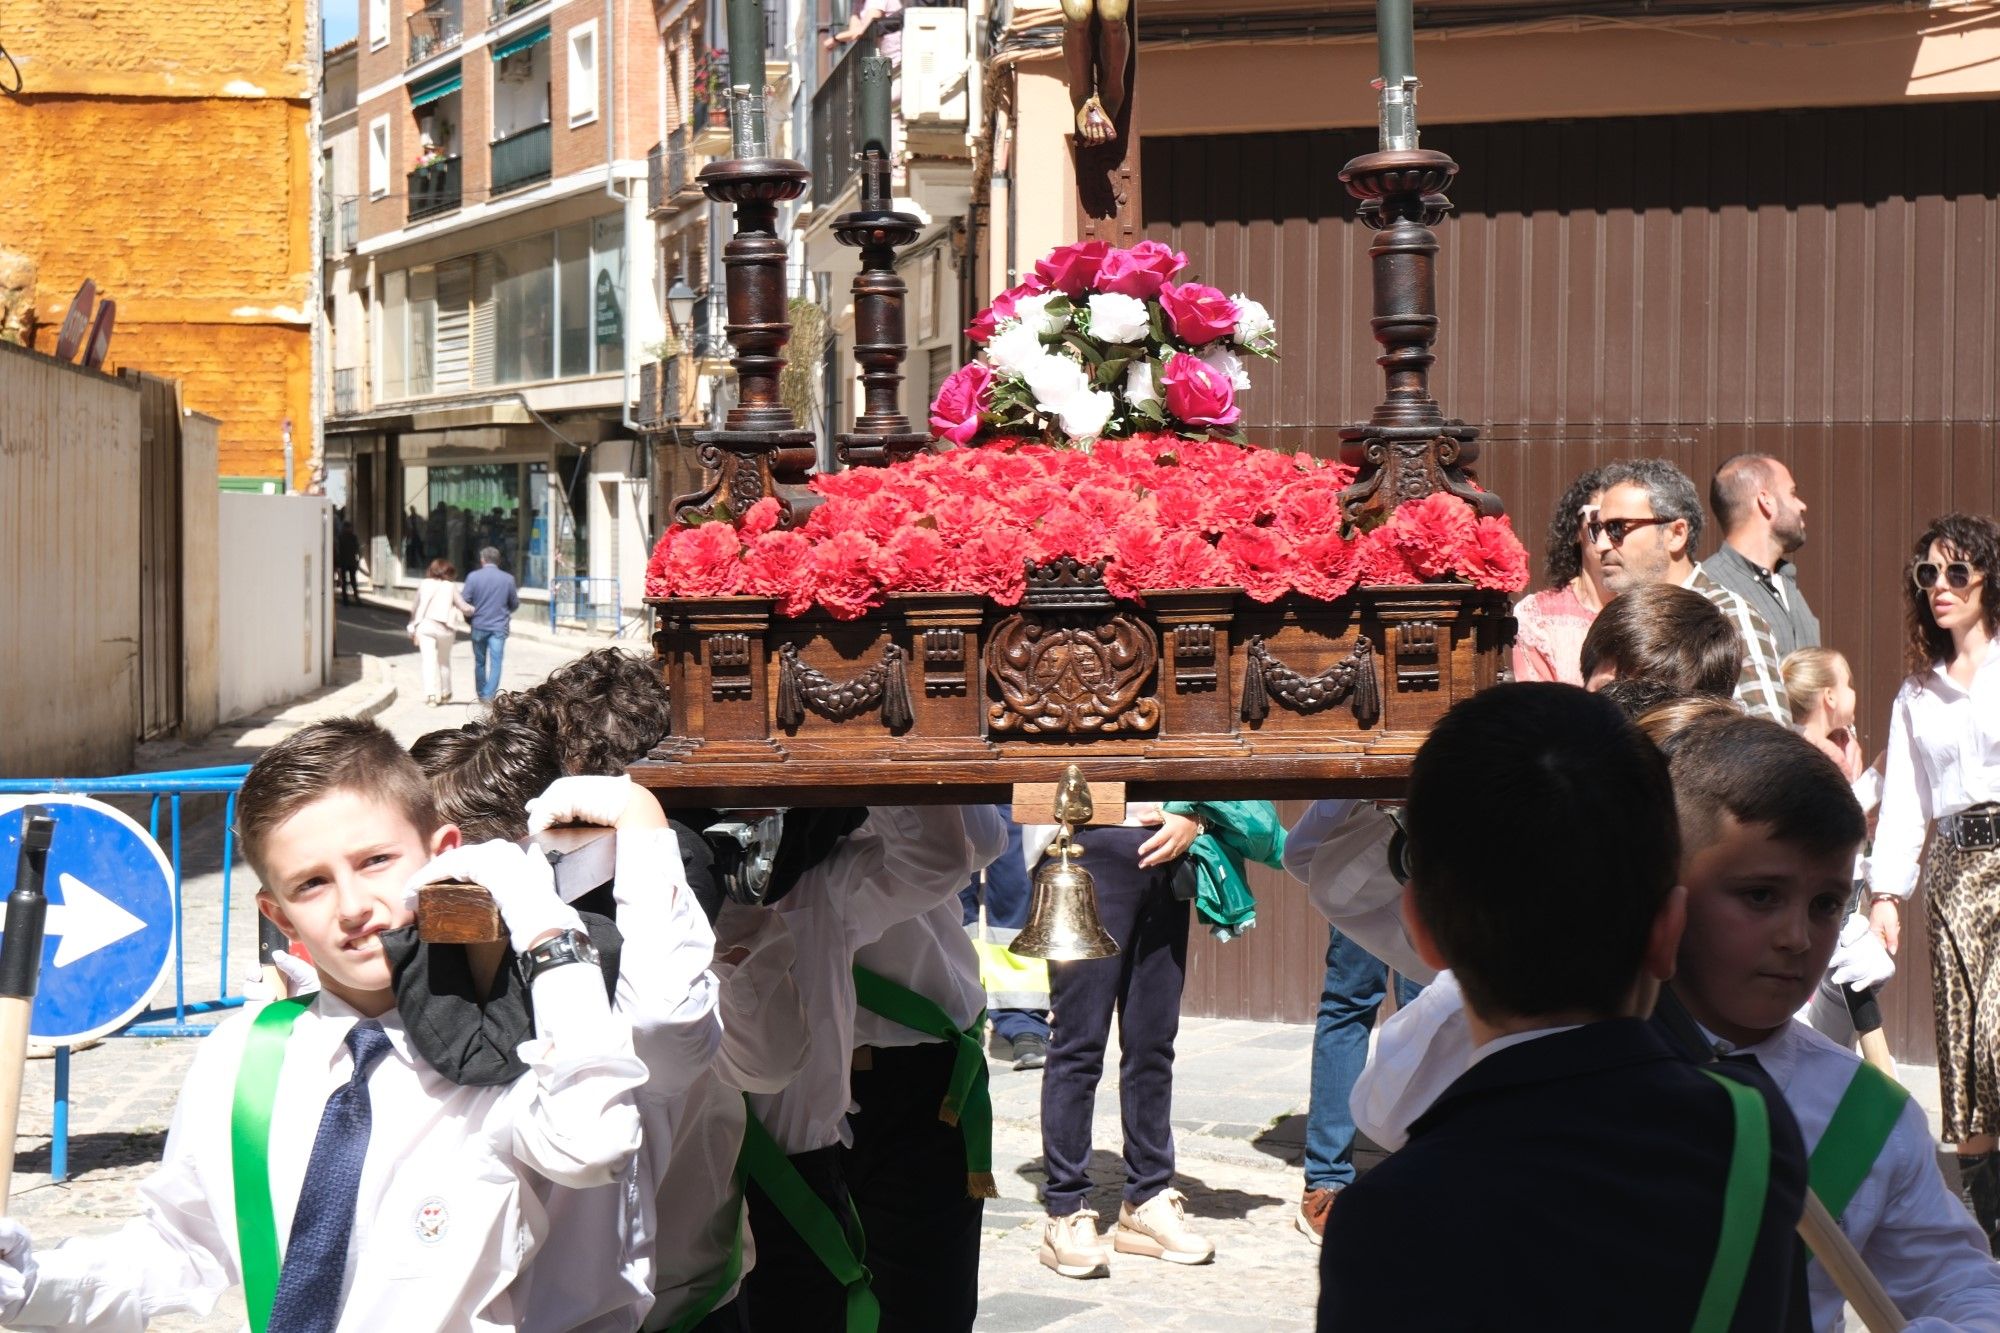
(881, 686)
(1074, 675)
(1352, 679)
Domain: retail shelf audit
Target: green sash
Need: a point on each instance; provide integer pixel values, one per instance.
(250, 1153)
(1742, 1207)
(1861, 1125)
(838, 1246)
(732, 1267)
(968, 1102)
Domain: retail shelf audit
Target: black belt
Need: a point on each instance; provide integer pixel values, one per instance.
(1974, 830)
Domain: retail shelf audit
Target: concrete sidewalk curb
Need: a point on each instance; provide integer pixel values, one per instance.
(375, 672)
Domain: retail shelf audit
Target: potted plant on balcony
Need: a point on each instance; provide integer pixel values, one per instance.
(1092, 560)
(708, 92)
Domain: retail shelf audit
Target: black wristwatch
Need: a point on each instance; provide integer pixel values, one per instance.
(571, 946)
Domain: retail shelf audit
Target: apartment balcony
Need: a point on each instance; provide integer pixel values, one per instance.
(505, 9)
(834, 140)
(348, 217)
(436, 27)
(521, 160)
(710, 126)
(670, 177)
(434, 189)
(659, 394)
(346, 391)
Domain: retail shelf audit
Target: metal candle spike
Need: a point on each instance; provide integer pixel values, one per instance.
(1063, 924)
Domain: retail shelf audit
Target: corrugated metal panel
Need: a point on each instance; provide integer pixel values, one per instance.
(1823, 286)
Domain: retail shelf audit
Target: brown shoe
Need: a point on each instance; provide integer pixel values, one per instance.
(1311, 1217)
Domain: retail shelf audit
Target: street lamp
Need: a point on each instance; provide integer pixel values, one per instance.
(680, 305)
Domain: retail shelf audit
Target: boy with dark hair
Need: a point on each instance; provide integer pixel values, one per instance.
(603, 711)
(1666, 634)
(483, 775)
(1560, 955)
(1769, 829)
(396, 1198)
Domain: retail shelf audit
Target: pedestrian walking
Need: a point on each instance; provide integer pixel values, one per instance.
(434, 623)
(1944, 770)
(347, 562)
(494, 597)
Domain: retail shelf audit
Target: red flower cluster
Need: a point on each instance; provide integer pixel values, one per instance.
(1162, 511)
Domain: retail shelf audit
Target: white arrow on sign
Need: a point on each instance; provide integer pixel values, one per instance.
(87, 921)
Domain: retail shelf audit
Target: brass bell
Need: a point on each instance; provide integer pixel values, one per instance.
(1063, 925)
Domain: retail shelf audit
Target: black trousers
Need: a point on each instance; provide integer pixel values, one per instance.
(906, 1171)
(731, 1317)
(1141, 987)
(790, 1290)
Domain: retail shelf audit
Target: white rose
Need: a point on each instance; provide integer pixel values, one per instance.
(1254, 327)
(1034, 312)
(1226, 364)
(1085, 415)
(1117, 318)
(1014, 349)
(1139, 386)
(1055, 380)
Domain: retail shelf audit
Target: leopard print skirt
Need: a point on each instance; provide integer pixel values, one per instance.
(1964, 892)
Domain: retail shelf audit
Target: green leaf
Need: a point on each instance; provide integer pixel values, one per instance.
(1112, 372)
(1086, 348)
(1158, 322)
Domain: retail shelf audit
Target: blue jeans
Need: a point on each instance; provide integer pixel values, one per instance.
(1356, 982)
(488, 647)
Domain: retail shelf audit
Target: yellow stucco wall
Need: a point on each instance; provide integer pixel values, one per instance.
(165, 153)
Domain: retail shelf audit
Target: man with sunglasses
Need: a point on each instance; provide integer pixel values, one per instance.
(1756, 500)
(1645, 531)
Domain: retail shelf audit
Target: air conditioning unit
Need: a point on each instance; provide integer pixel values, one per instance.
(936, 66)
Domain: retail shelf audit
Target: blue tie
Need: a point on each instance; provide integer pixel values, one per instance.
(309, 1282)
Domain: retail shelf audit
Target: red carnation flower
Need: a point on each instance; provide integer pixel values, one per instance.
(1433, 531)
(1379, 562)
(1308, 508)
(847, 575)
(1134, 547)
(704, 561)
(1496, 559)
(1186, 560)
(779, 565)
(1323, 566)
(916, 559)
(1259, 562)
(760, 518)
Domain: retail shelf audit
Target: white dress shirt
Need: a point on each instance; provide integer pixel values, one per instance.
(1944, 757)
(1912, 1232)
(594, 1274)
(765, 1039)
(932, 955)
(1340, 849)
(445, 1216)
(902, 861)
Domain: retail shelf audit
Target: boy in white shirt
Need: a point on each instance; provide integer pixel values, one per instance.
(396, 1198)
(1769, 830)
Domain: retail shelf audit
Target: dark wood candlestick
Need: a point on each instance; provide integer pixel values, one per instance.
(881, 433)
(1408, 449)
(760, 449)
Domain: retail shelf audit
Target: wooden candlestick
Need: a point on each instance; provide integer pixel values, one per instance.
(881, 433)
(1408, 449)
(760, 449)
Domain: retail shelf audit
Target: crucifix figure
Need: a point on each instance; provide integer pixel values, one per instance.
(1097, 44)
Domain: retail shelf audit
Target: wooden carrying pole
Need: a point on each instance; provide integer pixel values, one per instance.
(1836, 1254)
(20, 965)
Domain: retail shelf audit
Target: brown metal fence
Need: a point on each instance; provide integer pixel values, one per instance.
(1820, 285)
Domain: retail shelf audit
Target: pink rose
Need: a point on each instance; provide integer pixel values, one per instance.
(1198, 395)
(1140, 271)
(988, 320)
(1072, 269)
(966, 393)
(1198, 314)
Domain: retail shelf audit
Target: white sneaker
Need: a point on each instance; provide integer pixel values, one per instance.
(1158, 1229)
(1071, 1246)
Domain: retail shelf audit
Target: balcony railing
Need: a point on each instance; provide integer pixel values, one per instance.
(667, 179)
(346, 391)
(350, 224)
(505, 9)
(436, 27)
(834, 143)
(521, 159)
(434, 189)
(659, 394)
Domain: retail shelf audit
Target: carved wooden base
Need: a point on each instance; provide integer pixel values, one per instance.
(942, 697)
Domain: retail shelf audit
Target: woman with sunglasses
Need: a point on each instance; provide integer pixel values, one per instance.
(1944, 772)
(1550, 624)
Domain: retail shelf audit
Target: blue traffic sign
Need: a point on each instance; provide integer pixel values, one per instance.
(110, 938)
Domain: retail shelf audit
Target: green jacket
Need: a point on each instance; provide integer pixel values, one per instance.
(1238, 831)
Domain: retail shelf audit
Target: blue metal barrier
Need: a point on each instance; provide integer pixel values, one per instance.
(168, 787)
(594, 602)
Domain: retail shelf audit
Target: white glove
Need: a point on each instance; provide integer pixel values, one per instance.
(580, 800)
(1860, 962)
(301, 977)
(522, 884)
(17, 1269)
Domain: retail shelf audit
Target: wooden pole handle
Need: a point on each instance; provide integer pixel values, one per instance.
(14, 1015)
(1836, 1254)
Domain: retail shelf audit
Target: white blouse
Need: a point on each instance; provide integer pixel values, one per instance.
(1944, 757)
